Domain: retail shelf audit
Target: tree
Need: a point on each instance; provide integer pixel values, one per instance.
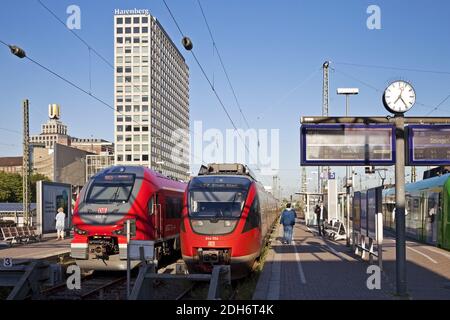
(11, 186)
(34, 179)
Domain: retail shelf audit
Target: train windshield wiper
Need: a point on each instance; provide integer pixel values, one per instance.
(231, 206)
(114, 196)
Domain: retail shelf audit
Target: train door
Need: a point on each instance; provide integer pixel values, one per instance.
(432, 215)
(151, 215)
(173, 209)
(157, 216)
(444, 236)
(423, 209)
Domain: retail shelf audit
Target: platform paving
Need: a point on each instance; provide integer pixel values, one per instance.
(316, 268)
(46, 249)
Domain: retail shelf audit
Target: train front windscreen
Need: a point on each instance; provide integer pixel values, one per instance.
(216, 203)
(108, 198)
(111, 188)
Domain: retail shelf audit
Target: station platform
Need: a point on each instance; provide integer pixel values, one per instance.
(48, 248)
(316, 268)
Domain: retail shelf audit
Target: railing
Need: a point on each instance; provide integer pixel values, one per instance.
(142, 289)
(364, 244)
(26, 277)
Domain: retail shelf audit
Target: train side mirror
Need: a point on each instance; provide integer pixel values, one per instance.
(132, 227)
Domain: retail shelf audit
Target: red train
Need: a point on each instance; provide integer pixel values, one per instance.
(151, 201)
(226, 218)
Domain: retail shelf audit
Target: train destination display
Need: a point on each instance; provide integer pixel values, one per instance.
(347, 144)
(429, 145)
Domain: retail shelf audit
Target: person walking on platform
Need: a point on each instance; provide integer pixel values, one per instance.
(288, 217)
(319, 210)
(60, 221)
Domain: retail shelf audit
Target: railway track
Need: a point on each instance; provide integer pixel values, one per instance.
(103, 286)
(112, 286)
(97, 285)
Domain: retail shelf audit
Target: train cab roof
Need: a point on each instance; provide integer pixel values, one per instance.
(158, 180)
(436, 182)
(231, 169)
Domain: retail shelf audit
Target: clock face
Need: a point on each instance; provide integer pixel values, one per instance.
(399, 97)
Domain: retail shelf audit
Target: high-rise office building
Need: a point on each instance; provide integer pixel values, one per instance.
(151, 94)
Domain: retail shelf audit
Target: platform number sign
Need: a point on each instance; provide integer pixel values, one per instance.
(7, 262)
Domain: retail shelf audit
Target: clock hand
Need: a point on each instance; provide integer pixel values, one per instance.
(403, 102)
(400, 96)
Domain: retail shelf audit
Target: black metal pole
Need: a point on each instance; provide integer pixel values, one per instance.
(400, 201)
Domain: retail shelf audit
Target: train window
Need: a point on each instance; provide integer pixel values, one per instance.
(173, 207)
(217, 204)
(151, 203)
(254, 216)
(111, 188)
(433, 206)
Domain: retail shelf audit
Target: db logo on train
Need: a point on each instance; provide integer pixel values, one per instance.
(102, 210)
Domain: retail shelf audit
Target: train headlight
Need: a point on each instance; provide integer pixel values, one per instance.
(79, 231)
(123, 231)
(227, 223)
(197, 223)
(119, 232)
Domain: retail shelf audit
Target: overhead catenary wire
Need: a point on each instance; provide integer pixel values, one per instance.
(440, 72)
(76, 35)
(79, 87)
(289, 93)
(440, 104)
(81, 39)
(393, 68)
(223, 65)
(91, 49)
(71, 83)
(8, 144)
(11, 130)
(368, 85)
(209, 81)
(4, 43)
(90, 70)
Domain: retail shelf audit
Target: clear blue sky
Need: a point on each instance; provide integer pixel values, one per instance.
(269, 48)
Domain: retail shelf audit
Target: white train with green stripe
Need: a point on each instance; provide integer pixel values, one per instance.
(427, 210)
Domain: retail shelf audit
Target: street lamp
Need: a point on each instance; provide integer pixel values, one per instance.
(347, 92)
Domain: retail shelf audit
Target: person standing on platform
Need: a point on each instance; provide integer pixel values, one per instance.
(288, 217)
(432, 214)
(60, 222)
(319, 210)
